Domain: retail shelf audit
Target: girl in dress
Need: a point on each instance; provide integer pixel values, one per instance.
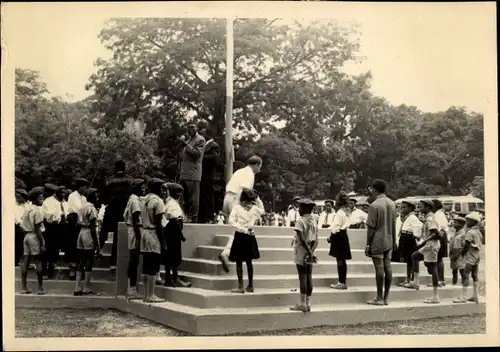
(339, 241)
(408, 230)
(87, 243)
(174, 236)
(245, 247)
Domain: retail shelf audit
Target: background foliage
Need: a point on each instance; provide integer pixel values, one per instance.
(318, 129)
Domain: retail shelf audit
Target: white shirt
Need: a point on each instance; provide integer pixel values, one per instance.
(102, 210)
(326, 218)
(76, 202)
(442, 220)
(411, 224)
(65, 207)
(51, 210)
(293, 215)
(220, 219)
(242, 178)
(341, 221)
(358, 216)
(20, 210)
(173, 209)
(242, 219)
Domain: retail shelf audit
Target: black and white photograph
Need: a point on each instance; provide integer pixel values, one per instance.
(252, 169)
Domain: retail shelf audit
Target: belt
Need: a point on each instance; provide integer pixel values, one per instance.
(149, 228)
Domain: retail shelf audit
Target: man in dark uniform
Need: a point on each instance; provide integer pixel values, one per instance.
(210, 156)
(115, 196)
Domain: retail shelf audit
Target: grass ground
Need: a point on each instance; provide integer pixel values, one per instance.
(112, 323)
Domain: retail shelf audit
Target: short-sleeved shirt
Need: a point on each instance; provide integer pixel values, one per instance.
(457, 243)
(382, 219)
(473, 236)
(87, 214)
(308, 226)
(32, 217)
(154, 206)
(134, 205)
(431, 248)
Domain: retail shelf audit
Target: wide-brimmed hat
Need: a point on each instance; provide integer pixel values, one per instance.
(296, 198)
(248, 194)
(155, 181)
(459, 218)
(410, 202)
(428, 202)
(81, 182)
(329, 201)
(50, 187)
(474, 216)
(22, 193)
(90, 191)
(306, 201)
(35, 192)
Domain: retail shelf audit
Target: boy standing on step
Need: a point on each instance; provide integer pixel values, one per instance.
(174, 236)
(132, 216)
(152, 241)
(34, 244)
(87, 243)
(471, 256)
(427, 251)
(304, 245)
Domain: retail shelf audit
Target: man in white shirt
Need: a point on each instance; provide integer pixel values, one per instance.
(52, 212)
(358, 217)
(326, 216)
(293, 213)
(242, 178)
(76, 202)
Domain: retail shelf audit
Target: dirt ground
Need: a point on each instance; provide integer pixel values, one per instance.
(112, 323)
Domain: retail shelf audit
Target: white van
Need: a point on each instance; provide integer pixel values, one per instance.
(459, 204)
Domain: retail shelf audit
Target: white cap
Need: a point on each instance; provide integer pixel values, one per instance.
(474, 216)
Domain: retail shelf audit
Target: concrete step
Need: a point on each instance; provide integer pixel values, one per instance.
(62, 273)
(57, 300)
(202, 298)
(103, 262)
(263, 267)
(285, 241)
(280, 254)
(227, 282)
(222, 321)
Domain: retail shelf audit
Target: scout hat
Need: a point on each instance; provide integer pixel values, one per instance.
(474, 216)
(137, 182)
(90, 191)
(329, 201)
(353, 200)
(306, 201)
(50, 187)
(409, 202)
(459, 218)
(427, 202)
(155, 181)
(35, 192)
(296, 198)
(81, 182)
(22, 193)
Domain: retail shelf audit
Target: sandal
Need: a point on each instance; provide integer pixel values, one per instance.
(249, 289)
(41, 293)
(299, 308)
(90, 293)
(339, 286)
(460, 300)
(412, 285)
(375, 302)
(238, 290)
(402, 283)
(155, 299)
(386, 302)
(473, 299)
(77, 293)
(26, 292)
(431, 300)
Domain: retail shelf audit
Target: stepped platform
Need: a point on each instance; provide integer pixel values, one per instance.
(209, 308)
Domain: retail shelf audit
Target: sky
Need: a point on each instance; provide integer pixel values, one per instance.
(432, 57)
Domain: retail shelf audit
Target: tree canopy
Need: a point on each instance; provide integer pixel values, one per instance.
(317, 128)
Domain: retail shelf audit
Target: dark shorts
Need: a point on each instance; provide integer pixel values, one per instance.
(85, 260)
(150, 263)
(385, 255)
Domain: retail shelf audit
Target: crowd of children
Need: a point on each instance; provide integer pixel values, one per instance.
(155, 218)
(50, 219)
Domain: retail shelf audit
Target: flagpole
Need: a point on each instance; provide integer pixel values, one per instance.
(229, 100)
